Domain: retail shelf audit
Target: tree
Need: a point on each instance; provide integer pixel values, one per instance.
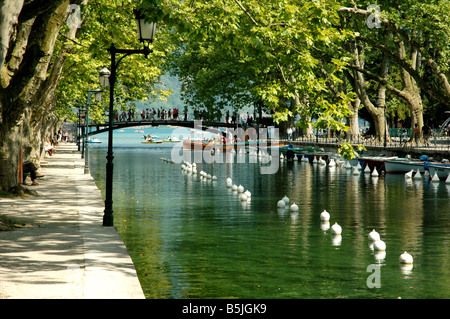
(47, 66)
(414, 39)
(23, 74)
(260, 51)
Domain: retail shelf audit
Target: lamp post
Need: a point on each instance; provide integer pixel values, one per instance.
(79, 129)
(146, 32)
(97, 97)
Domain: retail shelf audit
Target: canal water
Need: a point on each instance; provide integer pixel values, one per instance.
(191, 237)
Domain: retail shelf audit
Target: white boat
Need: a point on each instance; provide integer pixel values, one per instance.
(442, 170)
(404, 165)
(171, 139)
(94, 140)
(377, 162)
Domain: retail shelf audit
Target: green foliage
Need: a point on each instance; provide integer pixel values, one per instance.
(347, 151)
(228, 56)
(104, 23)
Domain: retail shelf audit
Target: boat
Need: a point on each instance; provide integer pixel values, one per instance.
(308, 152)
(404, 165)
(442, 170)
(152, 142)
(93, 140)
(200, 145)
(194, 145)
(150, 139)
(377, 162)
(171, 139)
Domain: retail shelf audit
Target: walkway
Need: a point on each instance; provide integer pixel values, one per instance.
(61, 249)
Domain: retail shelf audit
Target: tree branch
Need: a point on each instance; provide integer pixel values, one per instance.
(246, 12)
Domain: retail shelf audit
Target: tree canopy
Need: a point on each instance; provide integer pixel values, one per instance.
(320, 62)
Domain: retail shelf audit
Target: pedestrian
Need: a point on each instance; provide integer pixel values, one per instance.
(30, 168)
(416, 134)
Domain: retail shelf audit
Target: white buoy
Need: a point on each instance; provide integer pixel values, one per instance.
(324, 216)
(234, 187)
(417, 175)
(240, 189)
(374, 236)
(294, 208)
(336, 229)
(243, 196)
(409, 174)
(332, 163)
(214, 178)
(447, 181)
(375, 172)
(281, 203)
(348, 165)
(229, 180)
(355, 170)
(405, 258)
(435, 178)
(358, 166)
(229, 184)
(367, 170)
(286, 199)
(247, 192)
(379, 245)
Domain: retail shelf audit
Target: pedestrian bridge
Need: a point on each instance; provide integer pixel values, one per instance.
(199, 125)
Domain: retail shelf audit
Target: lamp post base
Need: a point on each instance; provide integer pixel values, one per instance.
(108, 219)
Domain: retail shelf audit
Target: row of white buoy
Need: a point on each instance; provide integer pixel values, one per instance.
(346, 164)
(284, 203)
(191, 168)
(244, 195)
(416, 175)
(376, 244)
(167, 160)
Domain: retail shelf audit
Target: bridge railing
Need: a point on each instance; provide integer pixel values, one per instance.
(434, 142)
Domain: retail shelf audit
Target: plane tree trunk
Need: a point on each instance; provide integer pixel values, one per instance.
(23, 75)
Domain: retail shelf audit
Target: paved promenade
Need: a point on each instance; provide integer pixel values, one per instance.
(61, 250)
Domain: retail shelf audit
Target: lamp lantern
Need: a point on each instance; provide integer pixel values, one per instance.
(104, 75)
(146, 30)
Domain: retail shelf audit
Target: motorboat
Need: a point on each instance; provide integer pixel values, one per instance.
(442, 170)
(378, 162)
(171, 139)
(150, 139)
(404, 165)
(93, 140)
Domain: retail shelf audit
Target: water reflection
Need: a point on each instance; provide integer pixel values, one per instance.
(194, 237)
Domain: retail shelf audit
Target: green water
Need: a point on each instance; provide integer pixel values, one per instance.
(193, 238)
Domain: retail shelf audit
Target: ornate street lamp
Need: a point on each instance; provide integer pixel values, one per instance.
(146, 33)
(97, 98)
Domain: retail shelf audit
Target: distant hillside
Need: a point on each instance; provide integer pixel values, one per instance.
(173, 100)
